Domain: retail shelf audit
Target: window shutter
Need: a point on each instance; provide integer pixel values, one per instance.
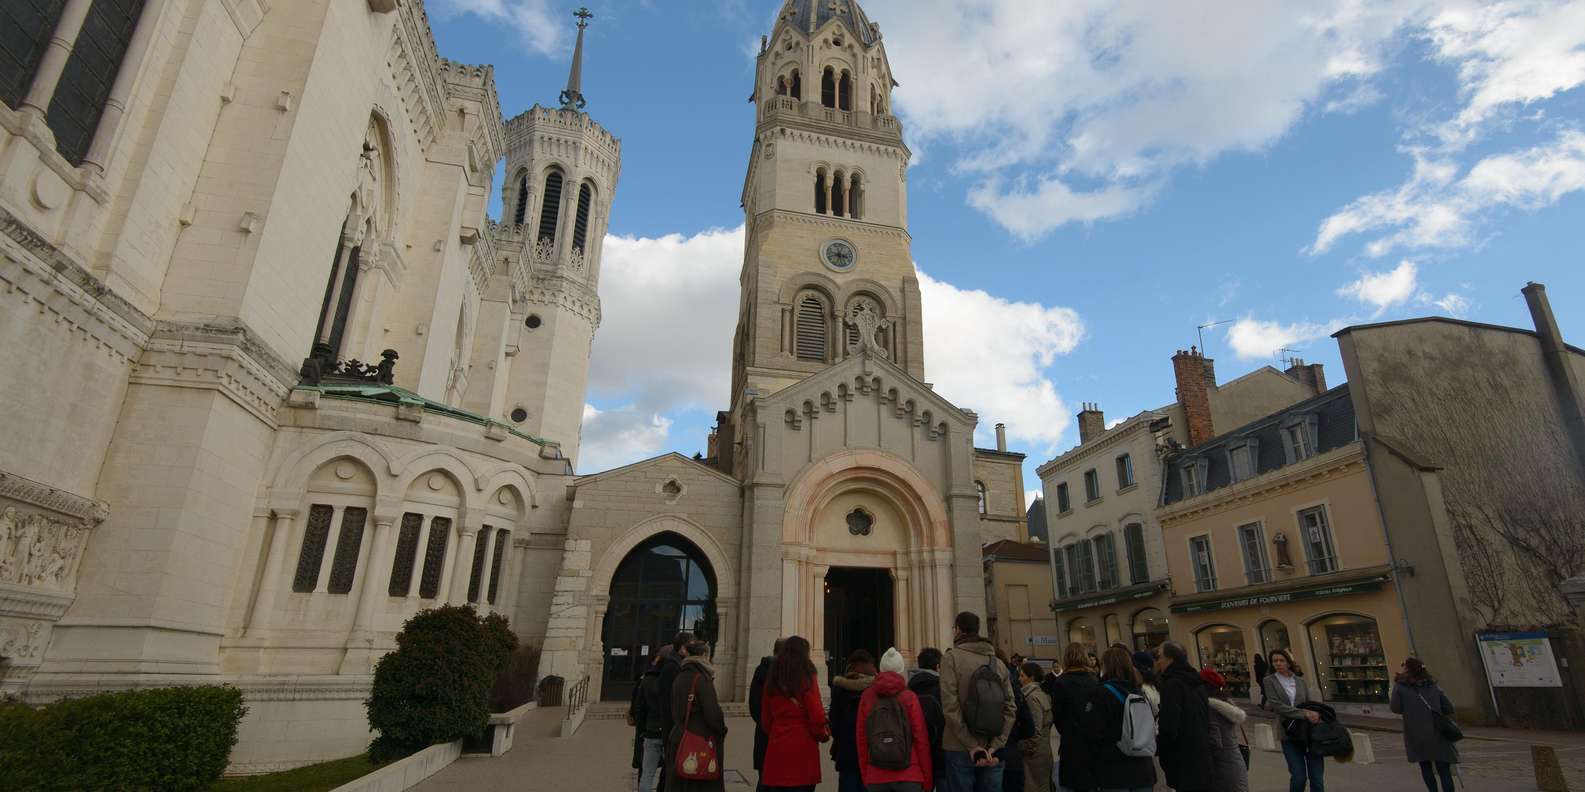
(550, 210)
(349, 544)
(406, 555)
(435, 557)
(580, 224)
(1138, 565)
(811, 330)
(315, 536)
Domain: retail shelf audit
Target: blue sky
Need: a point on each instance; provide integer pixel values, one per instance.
(1092, 179)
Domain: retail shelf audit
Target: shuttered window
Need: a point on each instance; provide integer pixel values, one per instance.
(25, 28)
(550, 210)
(406, 554)
(1106, 561)
(1138, 566)
(580, 224)
(90, 70)
(344, 568)
(810, 342)
(315, 536)
(434, 557)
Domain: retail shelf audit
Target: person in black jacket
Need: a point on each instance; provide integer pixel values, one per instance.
(846, 691)
(1071, 694)
(1183, 740)
(926, 684)
(756, 696)
(647, 715)
(1101, 725)
(670, 665)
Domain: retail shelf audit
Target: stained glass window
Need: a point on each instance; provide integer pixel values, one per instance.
(406, 551)
(348, 544)
(479, 549)
(315, 535)
(25, 28)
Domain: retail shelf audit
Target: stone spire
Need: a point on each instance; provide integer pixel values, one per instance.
(572, 98)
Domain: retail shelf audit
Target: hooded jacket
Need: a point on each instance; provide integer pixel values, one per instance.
(1072, 692)
(1418, 702)
(926, 684)
(846, 691)
(1227, 762)
(968, 654)
(890, 685)
(1183, 743)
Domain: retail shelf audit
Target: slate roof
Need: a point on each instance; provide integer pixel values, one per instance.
(1009, 550)
(810, 15)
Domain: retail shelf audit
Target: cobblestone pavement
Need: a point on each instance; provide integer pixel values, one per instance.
(598, 758)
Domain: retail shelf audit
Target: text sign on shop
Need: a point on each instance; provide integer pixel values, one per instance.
(1279, 598)
(1113, 599)
(1043, 640)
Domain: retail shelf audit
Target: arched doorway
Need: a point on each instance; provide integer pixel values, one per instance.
(664, 585)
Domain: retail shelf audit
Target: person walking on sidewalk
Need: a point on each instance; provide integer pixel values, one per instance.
(893, 739)
(756, 693)
(1228, 771)
(973, 683)
(1072, 693)
(1417, 698)
(695, 709)
(1183, 744)
(793, 719)
(1285, 690)
(1101, 724)
(1036, 749)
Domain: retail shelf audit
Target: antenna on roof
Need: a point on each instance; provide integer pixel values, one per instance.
(1288, 361)
(1200, 330)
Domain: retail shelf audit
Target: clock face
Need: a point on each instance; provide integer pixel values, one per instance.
(839, 254)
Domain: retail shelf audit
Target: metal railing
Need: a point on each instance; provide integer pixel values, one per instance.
(577, 697)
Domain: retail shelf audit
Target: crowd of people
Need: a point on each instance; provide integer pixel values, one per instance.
(970, 719)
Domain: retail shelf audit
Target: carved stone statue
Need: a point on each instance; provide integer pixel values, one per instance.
(866, 321)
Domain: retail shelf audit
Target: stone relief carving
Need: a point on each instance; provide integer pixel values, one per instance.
(37, 550)
(20, 640)
(865, 319)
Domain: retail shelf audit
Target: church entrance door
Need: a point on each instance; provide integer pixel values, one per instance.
(665, 585)
(858, 614)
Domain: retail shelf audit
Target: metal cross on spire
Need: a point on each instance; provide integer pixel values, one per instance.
(572, 98)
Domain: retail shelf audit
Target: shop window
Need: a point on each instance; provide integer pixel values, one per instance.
(1319, 552)
(1114, 630)
(1138, 564)
(1092, 486)
(1204, 565)
(1125, 471)
(1274, 636)
(1150, 629)
(1063, 505)
(1222, 648)
(1105, 561)
(1082, 633)
(1252, 540)
(1350, 663)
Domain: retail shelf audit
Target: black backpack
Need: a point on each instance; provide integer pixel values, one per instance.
(1330, 738)
(984, 708)
(891, 741)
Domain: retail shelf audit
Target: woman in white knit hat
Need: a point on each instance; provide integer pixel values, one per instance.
(894, 744)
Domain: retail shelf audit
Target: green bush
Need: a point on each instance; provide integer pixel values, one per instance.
(435, 687)
(165, 739)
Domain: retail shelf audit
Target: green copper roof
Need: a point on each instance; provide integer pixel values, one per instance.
(390, 394)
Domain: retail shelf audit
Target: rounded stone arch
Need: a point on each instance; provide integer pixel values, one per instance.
(516, 194)
(1066, 539)
(871, 288)
(1131, 517)
(292, 478)
(385, 127)
(882, 473)
(1097, 529)
(725, 573)
(514, 477)
(810, 281)
(431, 460)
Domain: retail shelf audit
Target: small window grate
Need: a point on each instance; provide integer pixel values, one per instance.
(495, 564)
(434, 557)
(550, 210)
(25, 28)
(315, 536)
(406, 554)
(344, 568)
(580, 224)
(479, 549)
(811, 331)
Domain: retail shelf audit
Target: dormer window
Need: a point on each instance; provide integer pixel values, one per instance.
(1192, 474)
(1242, 460)
(1299, 437)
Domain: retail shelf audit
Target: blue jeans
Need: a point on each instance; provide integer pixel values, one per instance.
(1302, 764)
(649, 768)
(962, 776)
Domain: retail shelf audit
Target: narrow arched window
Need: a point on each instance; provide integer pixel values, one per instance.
(580, 224)
(797, 89)
(856, 198)
(31, 25)
(822, 193)
(838, 195)
(522, 200)
(336, 306)
(979, 492)
(550, 210)
(89, 74)
(828, 88)
(811, 330)
(845, 92)
(781, 86)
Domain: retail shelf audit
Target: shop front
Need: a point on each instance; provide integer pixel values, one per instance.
(1135, 617)
(1346, 635)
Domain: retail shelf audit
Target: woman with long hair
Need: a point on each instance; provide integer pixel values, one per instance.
(1285, 690)
(1101, 722)
(792, 716)
(1417, 698)
(1072, 693)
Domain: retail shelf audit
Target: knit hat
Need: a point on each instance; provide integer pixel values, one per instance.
(1143, 661)
(1210, 677)
(893, 661)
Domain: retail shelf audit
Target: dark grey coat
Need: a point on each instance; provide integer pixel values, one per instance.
(1277, 701)
(1420, 740)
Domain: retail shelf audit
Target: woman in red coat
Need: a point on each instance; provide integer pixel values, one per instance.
(792, 714)
(890, 684)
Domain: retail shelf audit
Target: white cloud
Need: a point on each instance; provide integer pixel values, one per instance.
(1356, 100)
(616, 437)
(1434, 209)
(1452, 304)
(1253, 339)
(1383, 289)
(1029, 213)
(539, 23)
(990, 355)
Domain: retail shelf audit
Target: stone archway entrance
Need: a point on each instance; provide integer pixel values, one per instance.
(663, 586)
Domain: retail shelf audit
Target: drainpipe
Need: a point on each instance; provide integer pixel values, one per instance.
(1564, 382)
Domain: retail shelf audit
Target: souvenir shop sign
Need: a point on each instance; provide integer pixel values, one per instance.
(1279, 597)
(1106, 599)
(1519, 659)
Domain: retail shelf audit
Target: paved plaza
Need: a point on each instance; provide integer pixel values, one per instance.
(597, 758)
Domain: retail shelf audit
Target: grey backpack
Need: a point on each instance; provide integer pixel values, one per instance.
(1139, 724)
(984, 709)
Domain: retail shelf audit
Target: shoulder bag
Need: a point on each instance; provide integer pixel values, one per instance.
(1445, 727)
(697, 754)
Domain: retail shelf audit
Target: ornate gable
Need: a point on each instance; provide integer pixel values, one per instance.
(866, 377)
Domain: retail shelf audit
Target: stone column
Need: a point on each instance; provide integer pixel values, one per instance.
(375, 571)
(121, 90)
(900, 611)
(53, 64)
(815, 596)
(487, 536)
(273, 579)
(462, 564)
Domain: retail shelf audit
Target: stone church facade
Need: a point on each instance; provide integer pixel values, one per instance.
(279, 382)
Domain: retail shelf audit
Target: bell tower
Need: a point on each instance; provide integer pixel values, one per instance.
(825, 205)
(561, 174)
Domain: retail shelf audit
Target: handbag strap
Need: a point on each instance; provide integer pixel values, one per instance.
(1427, 704)
(688, 710)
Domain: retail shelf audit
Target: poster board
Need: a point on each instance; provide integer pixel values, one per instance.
(1519, 659)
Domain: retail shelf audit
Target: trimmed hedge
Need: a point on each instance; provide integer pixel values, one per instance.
(435, 687)
(164, 739)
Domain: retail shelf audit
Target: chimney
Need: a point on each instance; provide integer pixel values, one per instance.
(1310, 374)
(1196, 376)
(1565, 381)
(1001, 437)
(1092, 422)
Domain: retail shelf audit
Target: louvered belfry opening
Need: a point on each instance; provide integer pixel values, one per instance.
(550, 210)
(845, 92)
(828, 88)
(821, 194)
(810, 342)
(797, 85)
(580, 224)
(522, 201)
(838, 197)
